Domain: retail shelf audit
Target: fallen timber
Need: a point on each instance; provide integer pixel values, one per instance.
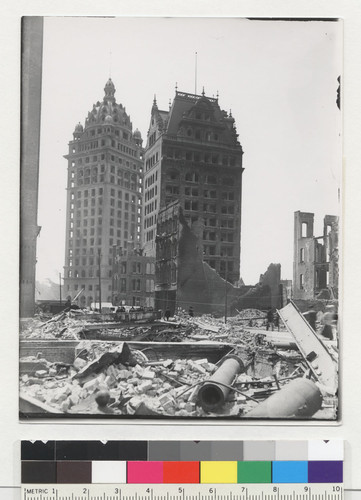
(311, 347)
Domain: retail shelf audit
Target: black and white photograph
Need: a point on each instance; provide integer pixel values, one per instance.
(180, 218)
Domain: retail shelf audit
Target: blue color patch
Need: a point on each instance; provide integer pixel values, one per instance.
(292, 471)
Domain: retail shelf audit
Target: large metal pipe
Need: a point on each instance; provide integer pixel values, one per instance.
(212, 394)
(300, 398)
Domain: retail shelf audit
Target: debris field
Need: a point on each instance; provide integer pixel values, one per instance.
(188, 367)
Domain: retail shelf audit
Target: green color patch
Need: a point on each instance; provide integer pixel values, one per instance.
(254, 472)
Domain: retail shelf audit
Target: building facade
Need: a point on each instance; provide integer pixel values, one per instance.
(193, 156)
(167, 256)
(132, 277)
(104, 197)
(315, 261)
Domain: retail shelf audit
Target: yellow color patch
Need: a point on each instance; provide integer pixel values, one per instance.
(218, 472)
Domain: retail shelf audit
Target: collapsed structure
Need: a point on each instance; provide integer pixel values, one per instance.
(78, 364)
(185, 279)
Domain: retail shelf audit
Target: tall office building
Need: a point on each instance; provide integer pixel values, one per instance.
(193, 155)
(104, 197)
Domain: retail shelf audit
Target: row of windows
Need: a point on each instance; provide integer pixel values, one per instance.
(150, 207)
(135, 267)
(99, 130)
(151, 179)
(78, 242)
(150, 235)
(204, 157)
(149, 221)
(212, 250)
(86, 146)
(201, 134)
(120, 204)
(151, 161)
(151, 193)
(212, 236)
(83, 220)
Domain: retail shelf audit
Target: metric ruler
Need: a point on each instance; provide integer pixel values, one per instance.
(271, 491)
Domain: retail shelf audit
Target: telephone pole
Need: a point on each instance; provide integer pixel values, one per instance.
(60, 287)
(100, 283)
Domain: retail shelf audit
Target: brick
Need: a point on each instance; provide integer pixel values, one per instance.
(74, 399)
(124, 374)
(201, 361)
(41, 373)
(91, 385)
(148, 375)
(110, 380)
(145, 386)
(79, 363)
(189, 407)
(65, 405)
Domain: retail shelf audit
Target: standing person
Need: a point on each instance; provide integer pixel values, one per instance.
(191, 312)
(269, 319)
(167, 314)
(277, 321)
(329, 322)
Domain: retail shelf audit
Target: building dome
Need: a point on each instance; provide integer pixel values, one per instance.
(109, 90)
(108, 119)
(78, 128)
(109, 84)
(137, 134)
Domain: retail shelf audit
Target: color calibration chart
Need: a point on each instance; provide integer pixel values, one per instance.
(182, 470)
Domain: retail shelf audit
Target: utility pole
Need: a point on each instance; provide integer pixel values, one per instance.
(100, 283)
(60, 287)
(225, 295)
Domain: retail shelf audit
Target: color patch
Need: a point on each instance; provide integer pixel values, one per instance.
(37, 450)
(38, 472)
(181, 472)
(218, 472)
(290, 472)
(74, 472)
(195, 450)
(259, 450)
(325, 450)
(254, 472)
(96, 450)
(226, 450)
(109, 471)
(325, 472)
(291, 450)
(164, 450)
(145, 472)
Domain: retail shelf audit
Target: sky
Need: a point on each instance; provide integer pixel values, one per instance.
(279, 78)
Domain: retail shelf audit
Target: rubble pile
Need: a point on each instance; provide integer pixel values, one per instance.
(135, 386)
(124, 374)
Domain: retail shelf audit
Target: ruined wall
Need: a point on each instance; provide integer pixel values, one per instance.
(192, 287)
(272, 279)
(267, 293)
(315, 260)
(304, 256)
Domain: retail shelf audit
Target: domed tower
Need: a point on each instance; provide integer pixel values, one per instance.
(105, 179)
(137, 136)
(78, 131)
